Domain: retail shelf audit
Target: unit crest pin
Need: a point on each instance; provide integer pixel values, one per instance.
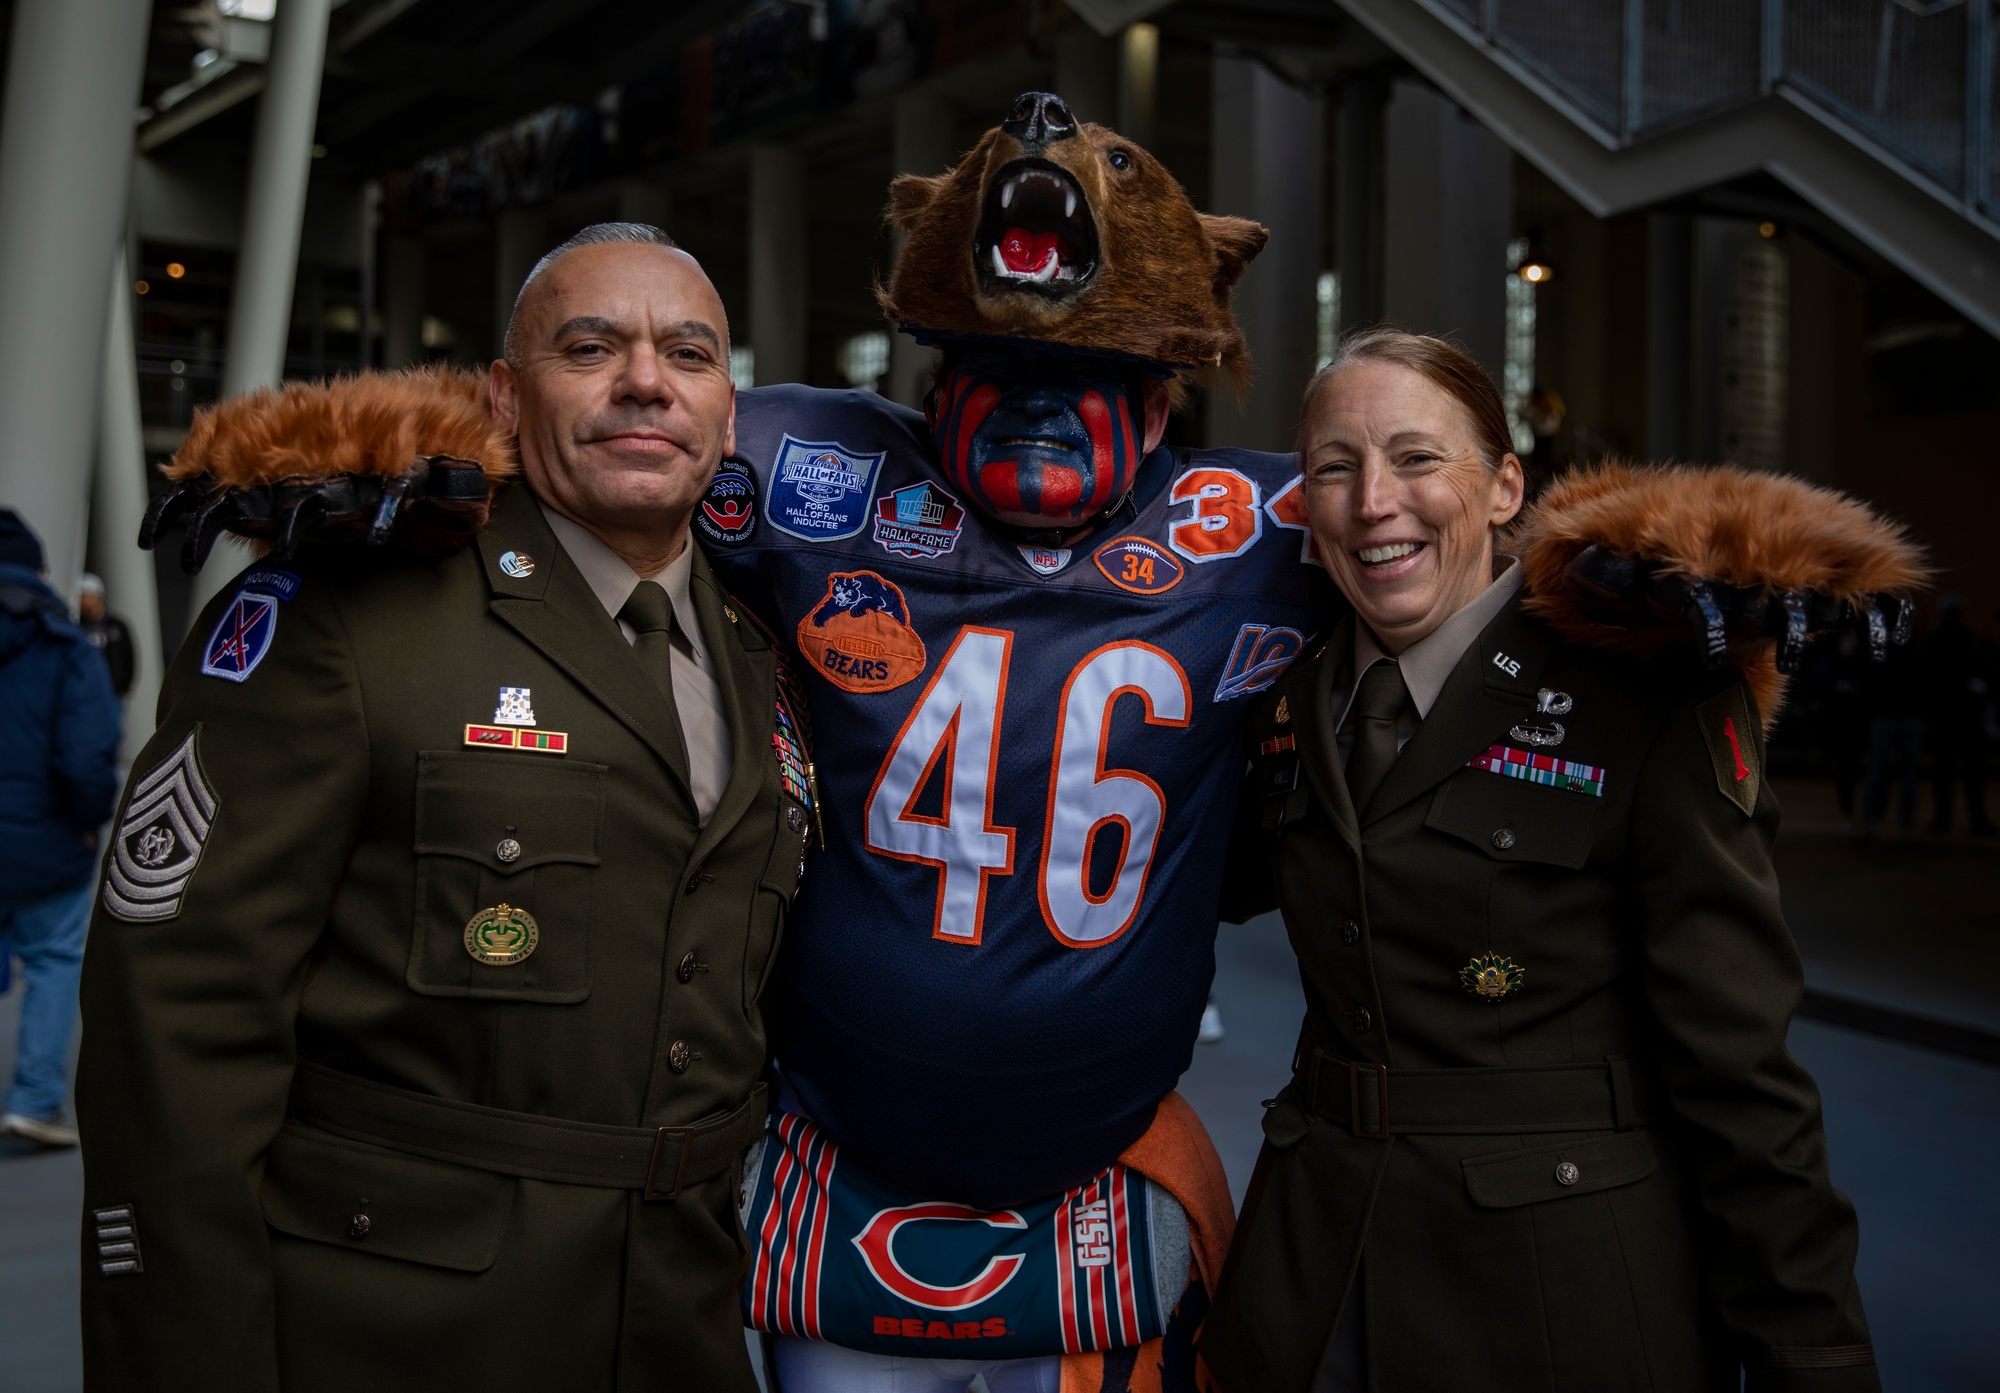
(1491, 977)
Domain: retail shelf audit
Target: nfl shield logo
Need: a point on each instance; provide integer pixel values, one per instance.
(820, 489)
(242, 637)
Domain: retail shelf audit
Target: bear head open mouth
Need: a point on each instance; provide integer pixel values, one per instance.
(1036, 234)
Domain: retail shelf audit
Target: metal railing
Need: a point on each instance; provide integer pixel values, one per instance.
(1911, 80)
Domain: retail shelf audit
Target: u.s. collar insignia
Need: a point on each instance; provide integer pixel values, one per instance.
(242, 636)
(1491, 977)
(516, 565)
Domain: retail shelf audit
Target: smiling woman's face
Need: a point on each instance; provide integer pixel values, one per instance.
(1400, 503)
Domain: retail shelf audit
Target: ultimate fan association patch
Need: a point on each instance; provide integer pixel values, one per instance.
(728, 513)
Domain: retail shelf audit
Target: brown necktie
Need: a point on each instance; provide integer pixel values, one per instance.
(651, 615)
(1380, 700)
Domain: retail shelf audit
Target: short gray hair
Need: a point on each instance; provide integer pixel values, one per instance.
(642, 234)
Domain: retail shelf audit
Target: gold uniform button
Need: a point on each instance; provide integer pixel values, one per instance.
(679, 1056)
(686, 970)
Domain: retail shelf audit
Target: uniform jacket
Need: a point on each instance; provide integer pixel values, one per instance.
(1542, 1110)
(59, 728)
(346, 833)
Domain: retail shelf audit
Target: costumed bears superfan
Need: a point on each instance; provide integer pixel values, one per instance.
(1028, 631)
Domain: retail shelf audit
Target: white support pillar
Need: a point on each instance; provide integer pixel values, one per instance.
(405, 272)
(1270, 162)
(1139, 83)
(117, 505)
(65, 164)
(1450, 211)
(274, 210)
(926, 143)
(778, 309)
(520, 236)
(1087, 73)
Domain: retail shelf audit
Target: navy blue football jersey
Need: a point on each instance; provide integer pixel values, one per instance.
(1027, 759)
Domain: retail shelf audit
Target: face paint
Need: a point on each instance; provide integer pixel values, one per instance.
(1038, 440)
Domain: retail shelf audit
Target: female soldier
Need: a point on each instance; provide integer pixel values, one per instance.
(1543, 1131)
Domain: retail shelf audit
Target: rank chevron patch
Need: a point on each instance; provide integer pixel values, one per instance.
(161, 838)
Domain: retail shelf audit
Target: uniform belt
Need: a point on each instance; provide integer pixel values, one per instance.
(1378, 1102)
(656, 1161)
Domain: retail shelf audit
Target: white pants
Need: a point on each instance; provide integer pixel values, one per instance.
(812, 1366)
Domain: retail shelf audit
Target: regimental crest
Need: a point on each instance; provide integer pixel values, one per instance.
(820, 489)
(241, 637)
(728, 513)
(919, 521)
(160, 838)
(514, 708)
(1491, 977)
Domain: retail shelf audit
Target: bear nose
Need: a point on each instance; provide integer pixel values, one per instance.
(1038, 119)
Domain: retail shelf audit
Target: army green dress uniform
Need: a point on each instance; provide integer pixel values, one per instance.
(422, 1048)
(1543, 1131)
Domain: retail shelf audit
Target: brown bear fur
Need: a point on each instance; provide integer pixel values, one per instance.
(1164, 273)
(376, 423)
(1720, 523)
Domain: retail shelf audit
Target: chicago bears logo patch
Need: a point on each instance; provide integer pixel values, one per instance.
(1261, 653)
(1140, 566)
(728, 512)
(820, 489)
(160, 838)
(919, 521)
(241, 637)
(859, 636)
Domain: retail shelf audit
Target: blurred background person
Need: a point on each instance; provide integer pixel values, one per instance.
(106, 632)
(1957, 679)
(59, 730)
(1892, 695)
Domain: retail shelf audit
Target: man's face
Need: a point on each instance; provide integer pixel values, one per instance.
(620, 392)
(90, 607)
(1042, 440)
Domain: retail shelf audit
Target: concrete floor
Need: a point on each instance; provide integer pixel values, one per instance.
(1913, 1133)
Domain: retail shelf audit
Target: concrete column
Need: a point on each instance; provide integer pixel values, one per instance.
(647, 201)
(1358, 203)
(274, 209)
(1087, 73)
(1269, 144)
(520, 236)
(1449, 212)
(1670, 316)
(117, 504)
(65, 162)
(778, 263)
(405, 271)
(925, 143)
(371, 227)
(1139, 83)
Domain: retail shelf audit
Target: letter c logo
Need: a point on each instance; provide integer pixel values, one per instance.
(877, 1243)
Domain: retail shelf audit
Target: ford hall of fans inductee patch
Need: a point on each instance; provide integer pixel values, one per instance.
(241, 637)
(919, 521)
(820, 490)
(728, 513)
(859, 637)
(160, 838)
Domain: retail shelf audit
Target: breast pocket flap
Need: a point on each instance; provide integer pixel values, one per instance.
(508, 813)
(1513, 1178)
(330, 1190)
(1514, 820)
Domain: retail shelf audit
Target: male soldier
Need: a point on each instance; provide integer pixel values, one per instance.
(423, 1038)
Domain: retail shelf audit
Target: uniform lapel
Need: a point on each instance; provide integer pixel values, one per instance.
(1317, 747)
(748, 680)
(1492, 687)
(555, 610)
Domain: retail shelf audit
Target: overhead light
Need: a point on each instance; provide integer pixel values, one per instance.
(1767, 229)
(141, 286)
(1537, 272)
(175, 270)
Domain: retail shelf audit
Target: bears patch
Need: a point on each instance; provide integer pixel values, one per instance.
(859, 637)
(820, 489)
(160, 838)
(241, 637)
(728, 511)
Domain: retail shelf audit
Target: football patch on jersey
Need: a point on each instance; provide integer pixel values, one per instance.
(160, 838)
(919, 521)
(1138, 565)
(1259, 656)
(820, 489)
(728, 511)
(859, 637)
(241, 637)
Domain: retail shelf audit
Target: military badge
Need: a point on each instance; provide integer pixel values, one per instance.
(1491, 977)
(1541, 769)
(160, 839)
(502, 935)
(793, 772)
(1552, 703)
(1283, 715)
(1726, 726)
(1543, 737)
(516, 565)
(497, 737)
(820, 489)
(241, 637)
(729, 511)
(514, 708)
(859, 636)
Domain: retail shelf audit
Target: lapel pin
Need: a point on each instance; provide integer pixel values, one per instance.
(1552, 703)
(514, 708)
(1510, 666)
(517, 565)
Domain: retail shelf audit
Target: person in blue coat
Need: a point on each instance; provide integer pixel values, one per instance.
(59, 733)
